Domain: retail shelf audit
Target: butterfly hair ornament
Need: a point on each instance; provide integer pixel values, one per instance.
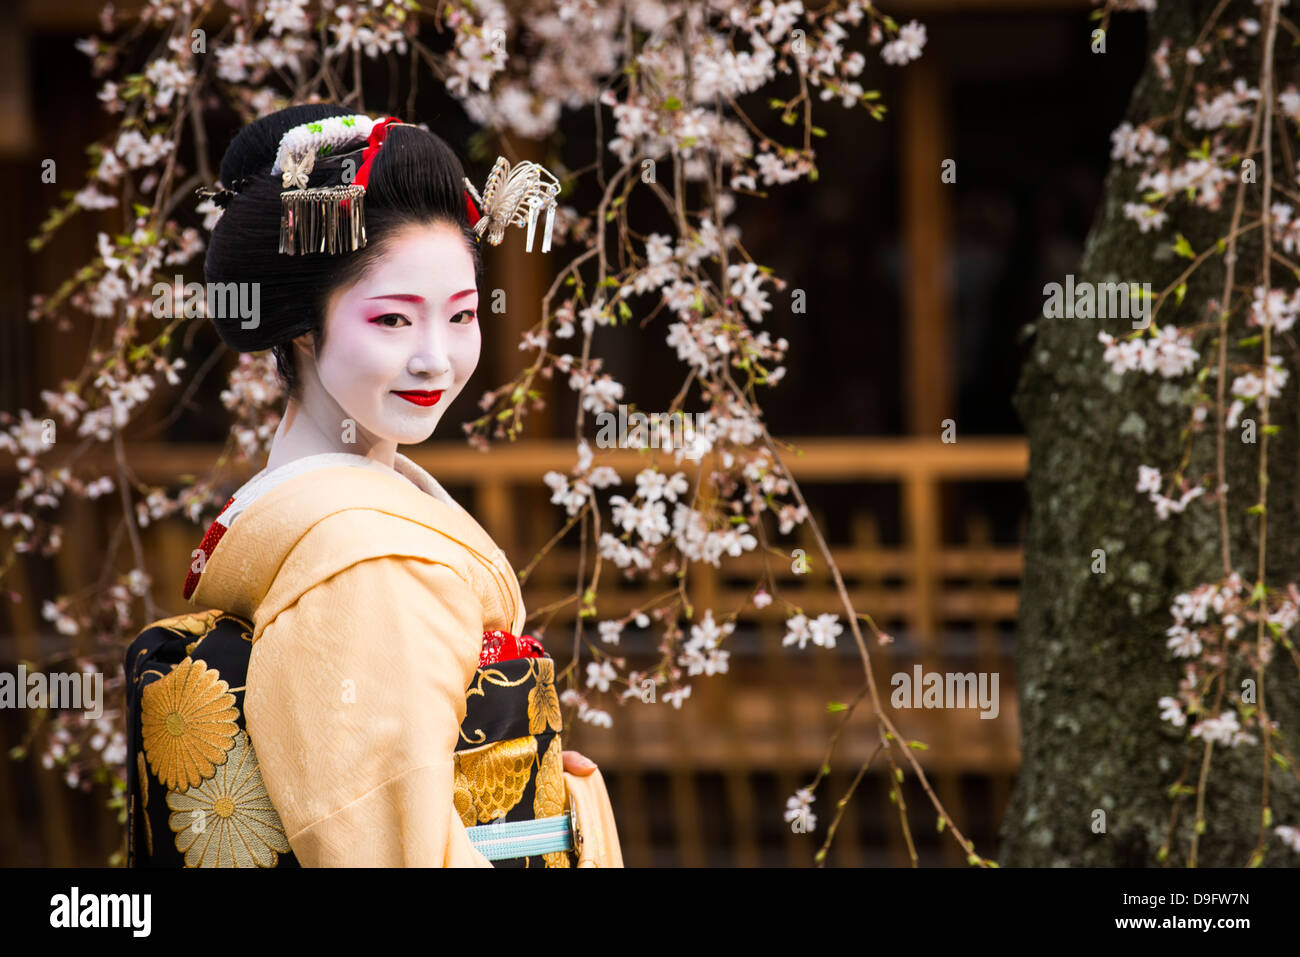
(331, 219)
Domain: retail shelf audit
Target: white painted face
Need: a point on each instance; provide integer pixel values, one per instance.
(410, 323)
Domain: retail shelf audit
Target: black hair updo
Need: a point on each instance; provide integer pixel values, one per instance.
(415, 179)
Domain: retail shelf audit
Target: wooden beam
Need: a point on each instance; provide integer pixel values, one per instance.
(76, 15)
(929, 336)
(16, 133)
(822, 459)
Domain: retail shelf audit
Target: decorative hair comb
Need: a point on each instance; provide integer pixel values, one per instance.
(331, 219)
(508, 193)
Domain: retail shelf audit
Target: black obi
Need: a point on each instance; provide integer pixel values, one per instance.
(195, 796)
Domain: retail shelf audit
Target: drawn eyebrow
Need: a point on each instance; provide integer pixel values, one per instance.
(412, 297)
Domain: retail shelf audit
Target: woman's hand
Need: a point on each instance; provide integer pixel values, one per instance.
(575, 763)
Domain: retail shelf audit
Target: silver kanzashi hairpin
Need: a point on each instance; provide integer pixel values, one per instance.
(514, 197)
(326, 219)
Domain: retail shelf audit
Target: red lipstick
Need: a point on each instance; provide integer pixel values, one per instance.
(420, 397)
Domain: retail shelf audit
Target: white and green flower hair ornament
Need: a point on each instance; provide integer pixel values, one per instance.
(300, 146)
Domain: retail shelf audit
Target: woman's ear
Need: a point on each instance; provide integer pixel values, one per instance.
(305, 346)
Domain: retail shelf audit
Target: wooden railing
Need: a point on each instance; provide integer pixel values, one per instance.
(705, 783)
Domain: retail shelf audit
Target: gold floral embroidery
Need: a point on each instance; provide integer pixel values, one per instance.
(497, 775)
(228, 820)
(188, 720)
(550, 795)
(462, 797)
(244, 633)
(497, 678)
(143, 778)
(548, 799)
(196, 624)
(543, 704)
(479, 736)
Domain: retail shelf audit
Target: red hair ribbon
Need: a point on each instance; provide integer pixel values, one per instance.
(378, 133)
(376, 140)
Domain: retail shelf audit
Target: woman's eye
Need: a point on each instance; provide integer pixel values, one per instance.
(391, 315)
(467, 312)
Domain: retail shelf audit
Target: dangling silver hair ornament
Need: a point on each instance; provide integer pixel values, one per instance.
(514, 197)
(325, 219)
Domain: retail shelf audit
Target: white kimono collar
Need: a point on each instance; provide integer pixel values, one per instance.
(265, 480)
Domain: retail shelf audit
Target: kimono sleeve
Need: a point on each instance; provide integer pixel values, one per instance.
(355, 697)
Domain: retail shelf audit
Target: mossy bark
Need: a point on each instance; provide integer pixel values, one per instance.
(1092, 657)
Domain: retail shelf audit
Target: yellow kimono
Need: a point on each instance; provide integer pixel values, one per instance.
(369, 590)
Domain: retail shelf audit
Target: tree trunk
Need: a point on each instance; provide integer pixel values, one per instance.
(1091, 654)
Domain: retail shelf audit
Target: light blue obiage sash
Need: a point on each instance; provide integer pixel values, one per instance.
(543, 835)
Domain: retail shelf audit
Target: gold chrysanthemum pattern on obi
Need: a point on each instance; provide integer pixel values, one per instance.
(493, 778)
(228, 820)
(188, 720)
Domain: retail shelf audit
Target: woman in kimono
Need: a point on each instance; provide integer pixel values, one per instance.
(394, 707)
